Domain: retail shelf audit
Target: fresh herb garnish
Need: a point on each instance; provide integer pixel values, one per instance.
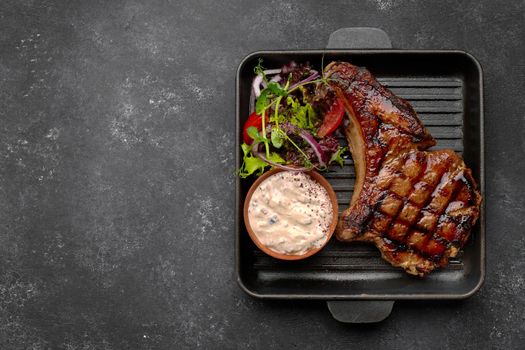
(259, 70)
(251, 164)
(277, 137)
(337, 157)
(254, 134)
(254, 165)
(302, 115)
(276, 89)
(284, 101)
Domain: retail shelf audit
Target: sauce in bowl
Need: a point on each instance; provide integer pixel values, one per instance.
(291, 213)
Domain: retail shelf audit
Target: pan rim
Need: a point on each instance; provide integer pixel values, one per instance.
(377, 296)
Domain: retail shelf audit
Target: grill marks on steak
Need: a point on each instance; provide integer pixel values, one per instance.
(416, 206)
(419, 213)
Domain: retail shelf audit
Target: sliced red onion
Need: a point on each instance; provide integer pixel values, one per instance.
(256, 85)
(276, 78)
(261, 155)
(252, 101)
(272, 71)
(305, 135)
(321, 155)
(258, 80)
(289, 128)
(314, 76)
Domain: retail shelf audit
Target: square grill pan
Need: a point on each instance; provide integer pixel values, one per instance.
(446, 90)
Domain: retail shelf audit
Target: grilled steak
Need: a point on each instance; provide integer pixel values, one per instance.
(416, 206)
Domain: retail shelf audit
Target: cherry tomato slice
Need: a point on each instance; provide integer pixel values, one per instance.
(332, 119)
(253, 120)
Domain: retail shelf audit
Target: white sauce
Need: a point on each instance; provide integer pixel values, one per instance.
(290, 213)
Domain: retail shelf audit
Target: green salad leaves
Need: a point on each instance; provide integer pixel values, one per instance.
(286, 123)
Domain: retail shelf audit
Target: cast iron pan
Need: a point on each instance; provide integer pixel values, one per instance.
(446, 89)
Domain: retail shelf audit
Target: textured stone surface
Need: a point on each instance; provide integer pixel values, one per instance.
(116, 162)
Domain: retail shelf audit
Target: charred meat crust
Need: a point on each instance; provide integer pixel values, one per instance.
(416, 206)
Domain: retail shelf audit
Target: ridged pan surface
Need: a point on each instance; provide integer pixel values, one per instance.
(448, 98)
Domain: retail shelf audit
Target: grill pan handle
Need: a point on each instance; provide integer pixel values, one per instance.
(360, 311)
(359, 38)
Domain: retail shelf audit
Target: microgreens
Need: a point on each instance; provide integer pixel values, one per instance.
(282, 104)
(337, 157)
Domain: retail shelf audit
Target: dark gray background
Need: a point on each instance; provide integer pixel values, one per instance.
(116, 162)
